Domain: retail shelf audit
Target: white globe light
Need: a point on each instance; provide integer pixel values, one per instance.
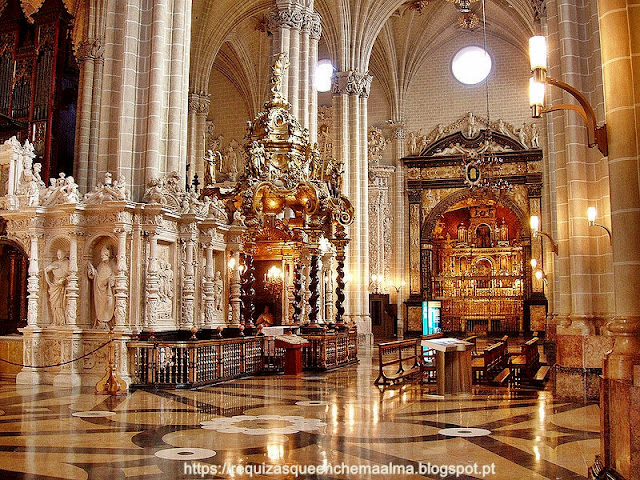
(471, 65)
(324, 72)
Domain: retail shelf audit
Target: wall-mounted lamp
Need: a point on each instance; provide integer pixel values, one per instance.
(596, 136)
(538, 272)
(534, 222)
(591, 216)
(398, 286)
(376, 282)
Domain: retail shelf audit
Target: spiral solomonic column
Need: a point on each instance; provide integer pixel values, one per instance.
(297, 293)
(314, 289)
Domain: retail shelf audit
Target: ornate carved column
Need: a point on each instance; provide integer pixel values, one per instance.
(90, 55)
(153, 283)
(122, 280)
(297, 294)
(248, 292)
(235, 290)
(188, 319)
(207, 288)
(314, 289)
(340, 254)
(33, 283)
(199, 104)
(72, 288)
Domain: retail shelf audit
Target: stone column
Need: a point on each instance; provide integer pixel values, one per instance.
(122, 280)
(143, 117)
(400, 266)
(295, 30)
(207, 288)
(188, 319)
(199, 104)
(72, 288)
(235, 290)
(90, 55)
(350, 91)
(152, 283)
(33, 283)
(622, 99)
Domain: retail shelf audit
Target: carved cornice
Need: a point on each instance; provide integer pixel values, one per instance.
(351, 83)
(199, 102)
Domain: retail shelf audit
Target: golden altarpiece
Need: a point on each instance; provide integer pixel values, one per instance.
(471, 189)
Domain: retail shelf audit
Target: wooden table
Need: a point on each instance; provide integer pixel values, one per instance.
(453, 362)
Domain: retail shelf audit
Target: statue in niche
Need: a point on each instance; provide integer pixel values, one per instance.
(57, 281)
(504, 232)
(104, 280)
(462, 233)
(218, 288)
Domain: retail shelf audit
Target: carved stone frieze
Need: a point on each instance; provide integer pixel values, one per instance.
(375, 145)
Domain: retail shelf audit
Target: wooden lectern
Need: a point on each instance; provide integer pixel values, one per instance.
(293, 352)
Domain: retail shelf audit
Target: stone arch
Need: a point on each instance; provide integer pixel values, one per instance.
(14, 263)
(429, 223)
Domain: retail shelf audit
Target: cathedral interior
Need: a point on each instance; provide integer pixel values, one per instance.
(320, 239)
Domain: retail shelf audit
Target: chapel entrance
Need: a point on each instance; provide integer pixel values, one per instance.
(13, 286)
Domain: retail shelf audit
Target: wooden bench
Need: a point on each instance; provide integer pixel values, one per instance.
(399, 360)
(473, 339)
(527, 361)
(493, 365)
(428, 359)
(541, 374)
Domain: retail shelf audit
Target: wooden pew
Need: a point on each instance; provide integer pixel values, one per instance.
(493, 365)
(473, 339)
(405, 359)
(525, 364)
(428, 359)
(399, 360)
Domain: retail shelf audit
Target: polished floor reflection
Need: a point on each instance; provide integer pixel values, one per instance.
(336, 420)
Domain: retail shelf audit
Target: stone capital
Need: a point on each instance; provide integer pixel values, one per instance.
(199, 102)
(90, 49)
(288, 17)
(351, 83)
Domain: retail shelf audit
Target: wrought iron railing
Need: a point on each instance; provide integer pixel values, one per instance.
(194, 363)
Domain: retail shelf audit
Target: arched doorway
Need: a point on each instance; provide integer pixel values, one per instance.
(14, 264)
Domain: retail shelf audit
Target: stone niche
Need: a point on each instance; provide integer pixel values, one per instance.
(102, 266)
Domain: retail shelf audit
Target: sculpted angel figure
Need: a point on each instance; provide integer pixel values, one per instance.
(104, 280)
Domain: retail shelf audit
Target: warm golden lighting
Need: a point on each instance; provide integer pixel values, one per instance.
(232, 263)
(536, 97)
(539, 274)
(534, 263)
(538, 52)
(534, 222)
(591, 215)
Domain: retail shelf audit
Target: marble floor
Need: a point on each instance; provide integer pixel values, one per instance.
(338, 421)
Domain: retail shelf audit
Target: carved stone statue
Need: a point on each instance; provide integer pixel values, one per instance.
(522, 135)
(535, 134)
(211, 160)
(218, 288)
(104, 279)
(412, 142)
(57, 281)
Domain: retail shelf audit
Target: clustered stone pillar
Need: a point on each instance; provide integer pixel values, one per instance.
(199, 104)
(143, 121)
(90, 59)
(296, 30)
(619, 24)
(622, 99)
(350, 92)
(207, 287)
(399, 261)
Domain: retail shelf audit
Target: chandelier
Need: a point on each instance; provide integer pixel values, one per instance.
(463, 6)
(273, 280)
